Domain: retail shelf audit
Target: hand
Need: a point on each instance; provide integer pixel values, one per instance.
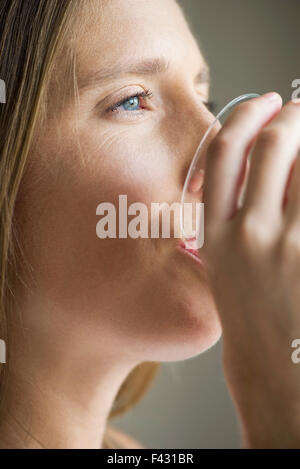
(252, 256)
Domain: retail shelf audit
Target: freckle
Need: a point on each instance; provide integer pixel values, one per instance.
(196, 182)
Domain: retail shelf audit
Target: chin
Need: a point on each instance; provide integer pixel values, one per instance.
(185, 349)
(191, 343)
(184, 330)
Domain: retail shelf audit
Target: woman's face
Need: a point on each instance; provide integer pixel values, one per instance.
(141, 299)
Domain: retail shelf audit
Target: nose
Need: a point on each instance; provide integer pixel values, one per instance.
(197, 125)
(201, 123)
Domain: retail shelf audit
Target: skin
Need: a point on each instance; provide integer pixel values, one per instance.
(82, 312)
(93, 309)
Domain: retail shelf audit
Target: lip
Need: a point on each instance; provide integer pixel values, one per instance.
(187, 248)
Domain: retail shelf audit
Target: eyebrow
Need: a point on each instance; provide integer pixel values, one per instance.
(149, 66)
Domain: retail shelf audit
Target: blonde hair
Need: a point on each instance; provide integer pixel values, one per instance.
(33, 33)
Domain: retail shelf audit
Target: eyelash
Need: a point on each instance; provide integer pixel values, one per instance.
(144, 94)
(210, 105)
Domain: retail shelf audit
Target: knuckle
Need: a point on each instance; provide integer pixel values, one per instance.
(219, 145)
(293, 105)
(253, 232)
(290, 245)
(272, 135)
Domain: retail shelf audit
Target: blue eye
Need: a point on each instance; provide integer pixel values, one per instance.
(132, 103)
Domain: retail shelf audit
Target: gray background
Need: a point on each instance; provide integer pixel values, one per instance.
(251, 46)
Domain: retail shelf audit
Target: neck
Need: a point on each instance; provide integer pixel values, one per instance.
(55, 401)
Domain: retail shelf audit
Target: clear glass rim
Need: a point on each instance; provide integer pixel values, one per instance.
(194, 162)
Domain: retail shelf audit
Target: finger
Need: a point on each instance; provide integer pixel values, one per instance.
(227, 152)
(273, 155)
(241, 186)
(292, 205)
(285, 199)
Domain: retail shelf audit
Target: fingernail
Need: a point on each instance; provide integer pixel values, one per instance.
(272, 96)
(197, 180)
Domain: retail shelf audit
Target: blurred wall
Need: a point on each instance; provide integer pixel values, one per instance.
(251, 46)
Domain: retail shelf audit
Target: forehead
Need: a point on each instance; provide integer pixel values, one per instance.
(115, 30)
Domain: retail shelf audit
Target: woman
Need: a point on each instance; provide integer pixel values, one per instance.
(107, 98)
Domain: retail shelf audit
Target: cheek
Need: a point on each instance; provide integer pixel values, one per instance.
(130, 163)
(152, 147)
(103, 283)
(71, 263)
